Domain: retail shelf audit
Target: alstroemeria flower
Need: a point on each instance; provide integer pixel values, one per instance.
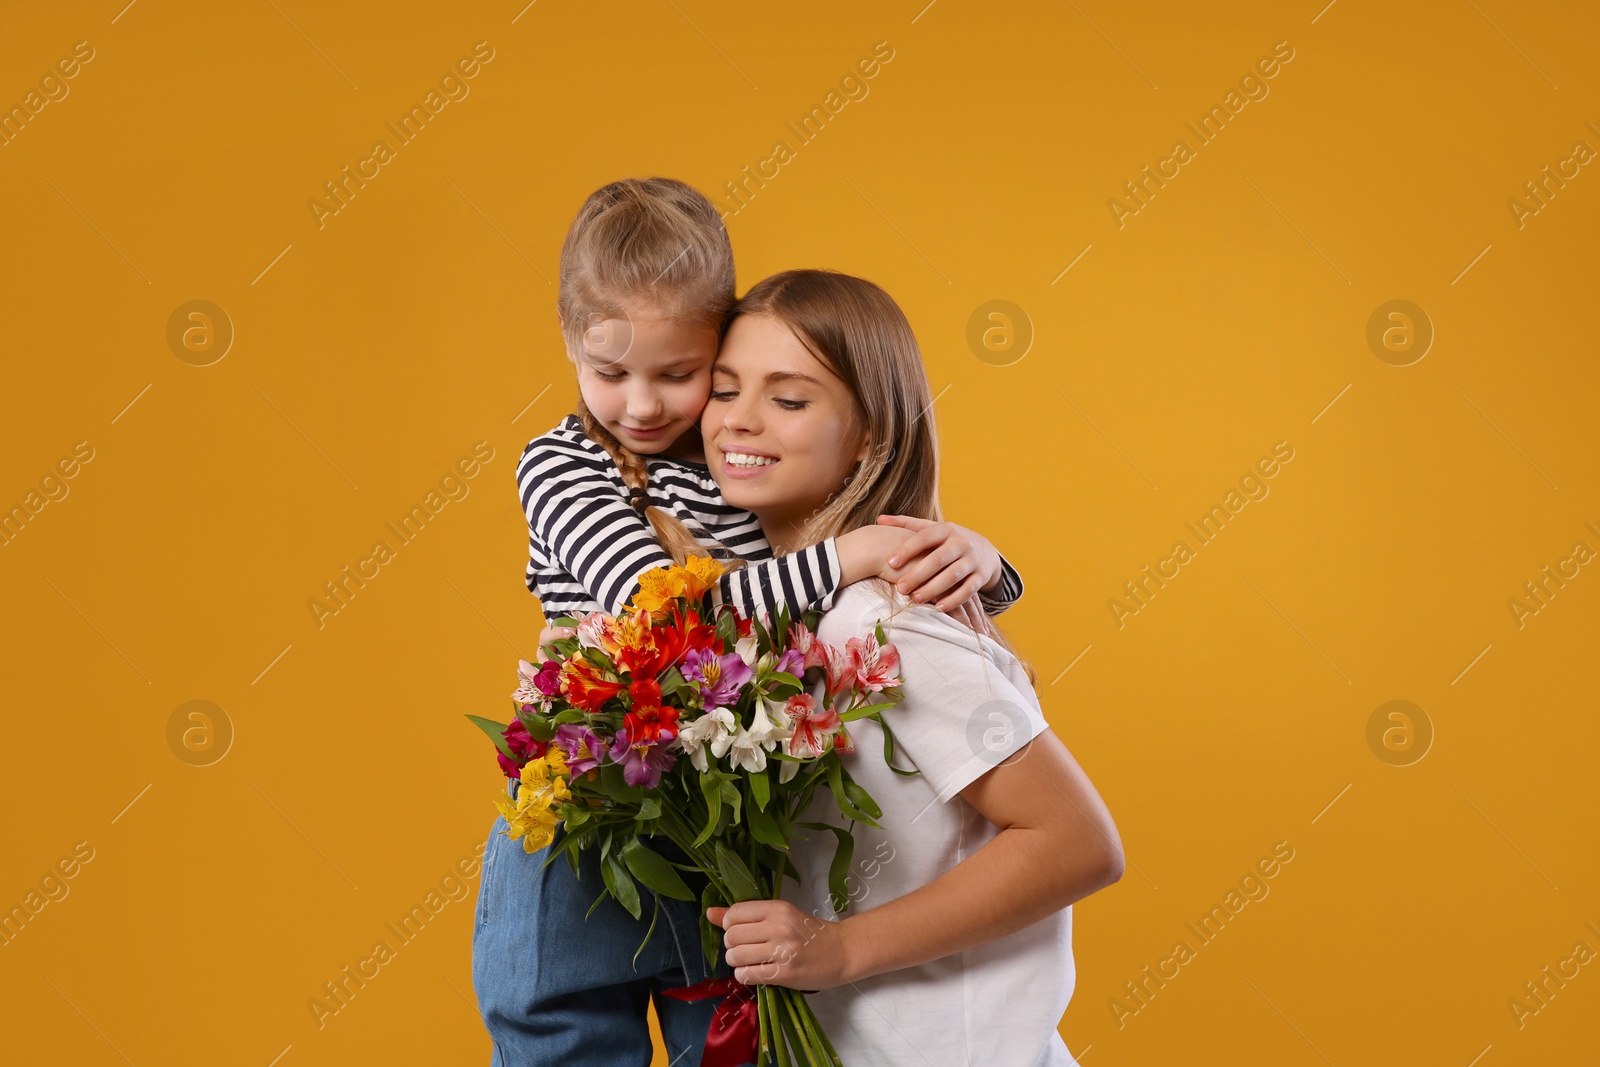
(791, 662)
(528, 691)
(585, 686)
(650, 725)
(548, 680)
(805, 642)
(591, 629)
(642, 764)
(719, 678)
(715, 727)
(875, 666)
(584, 750)
(747, 752)
(814, 725)
(532, 816)
(523, 747)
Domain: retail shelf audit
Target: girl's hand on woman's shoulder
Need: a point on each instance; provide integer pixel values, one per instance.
(772, 942)
(940, 563)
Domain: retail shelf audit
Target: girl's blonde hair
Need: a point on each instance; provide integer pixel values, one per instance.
(650, 246)
(860, 334)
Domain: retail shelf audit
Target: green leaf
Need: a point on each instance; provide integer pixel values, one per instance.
(621, 885)
(649, 808)
(760, 790)
(654, 915)
(495, 730)
(839, 870)
(861, 798)
(764, 828)
(735, 875)
(654, 871)
(710, 933)
(731, 794)
(711, 787)
(888, 751)
(872, 710)
(840, 797)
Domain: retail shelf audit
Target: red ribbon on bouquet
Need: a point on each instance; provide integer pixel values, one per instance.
(735, 1028)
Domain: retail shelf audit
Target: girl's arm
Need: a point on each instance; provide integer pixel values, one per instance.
(577, 510)
(1057, 842)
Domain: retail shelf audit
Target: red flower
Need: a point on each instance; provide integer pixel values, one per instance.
(585, 686)
(644, 693)
(651, 725)
(522, 745)
(548, 680)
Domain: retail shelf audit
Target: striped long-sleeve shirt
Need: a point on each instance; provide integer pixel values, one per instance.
(587, 545)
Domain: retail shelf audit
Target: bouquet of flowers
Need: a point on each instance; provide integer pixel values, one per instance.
(706, 728)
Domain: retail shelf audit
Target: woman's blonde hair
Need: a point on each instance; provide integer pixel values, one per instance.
(643, 246)
(858, 332)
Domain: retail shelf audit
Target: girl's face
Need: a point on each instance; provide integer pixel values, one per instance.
(646, 378)
(781, 430)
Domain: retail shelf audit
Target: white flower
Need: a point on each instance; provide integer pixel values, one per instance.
(771, 723)
(715, 726)
(748, 754)
(788, 768)
(746, 647)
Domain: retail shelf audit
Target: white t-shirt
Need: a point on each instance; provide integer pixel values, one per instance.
(968, 705)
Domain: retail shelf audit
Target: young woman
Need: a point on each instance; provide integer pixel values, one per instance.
(956, 949)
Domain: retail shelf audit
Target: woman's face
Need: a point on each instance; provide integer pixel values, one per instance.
(781, 430)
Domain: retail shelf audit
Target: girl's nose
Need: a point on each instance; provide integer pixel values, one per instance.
(644, 404)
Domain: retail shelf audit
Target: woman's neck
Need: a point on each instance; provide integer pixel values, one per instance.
(782, 533)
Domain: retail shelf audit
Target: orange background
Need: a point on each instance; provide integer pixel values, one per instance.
(1231, 312)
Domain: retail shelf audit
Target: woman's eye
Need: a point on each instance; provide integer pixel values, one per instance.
(791, 405)
(722, 396)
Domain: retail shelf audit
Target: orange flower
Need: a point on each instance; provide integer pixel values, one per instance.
(585, 686)
(658, 588)
(700, 574)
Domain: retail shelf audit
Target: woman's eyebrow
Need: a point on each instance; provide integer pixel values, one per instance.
(784, 376)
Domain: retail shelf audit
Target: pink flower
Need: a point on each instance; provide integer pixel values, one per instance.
(813, 726)
(874, 666)
(805, 642)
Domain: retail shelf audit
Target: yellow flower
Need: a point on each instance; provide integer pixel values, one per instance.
(544, 786)
(657, 587)
(702, 573)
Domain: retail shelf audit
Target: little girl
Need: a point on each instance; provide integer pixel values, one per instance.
(617, 489)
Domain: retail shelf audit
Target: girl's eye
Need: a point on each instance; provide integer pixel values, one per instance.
(678, 377)
(604, 377)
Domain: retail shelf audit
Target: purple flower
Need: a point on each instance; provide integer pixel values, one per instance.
(792, 662)
(719, 678)
(584, 750)
(642, 764)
